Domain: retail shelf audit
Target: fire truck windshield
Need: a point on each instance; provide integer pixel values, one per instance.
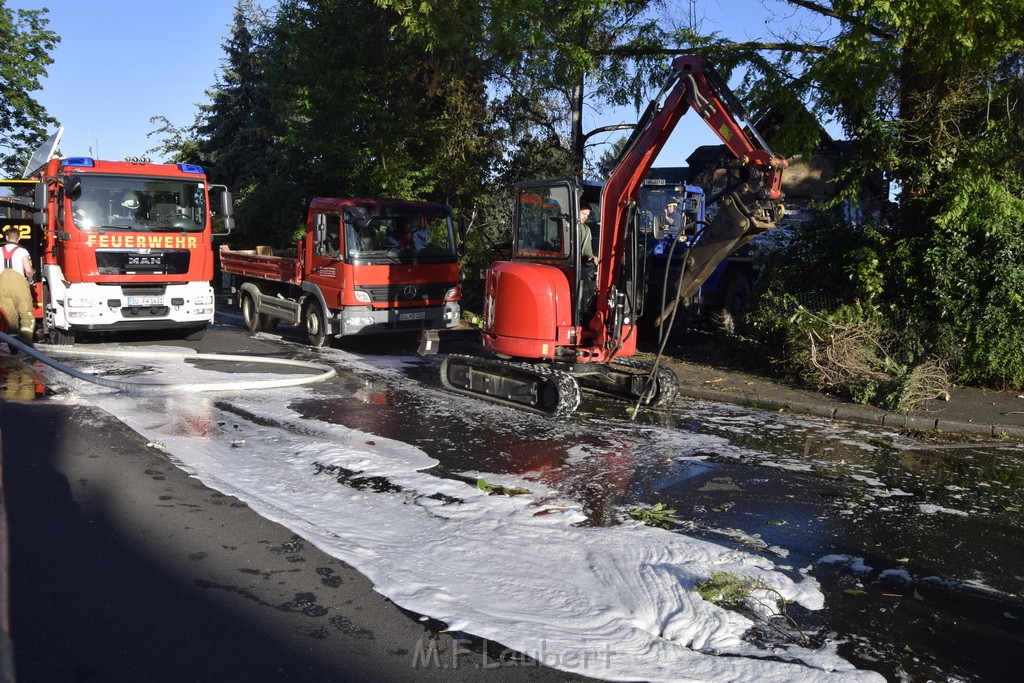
(112, 202)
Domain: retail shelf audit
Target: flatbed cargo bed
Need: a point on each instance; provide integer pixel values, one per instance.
(278, 268)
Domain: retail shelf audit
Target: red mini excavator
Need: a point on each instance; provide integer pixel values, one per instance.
(557, 319)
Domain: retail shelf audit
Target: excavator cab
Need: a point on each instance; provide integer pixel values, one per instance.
(557, 223)
(544, 214)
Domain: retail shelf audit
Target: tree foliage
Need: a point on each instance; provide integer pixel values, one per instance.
(237, 126)
(324, 100)
(27, 44)
(930, 94)
(550, 64)
(235, 135)
(455, 101)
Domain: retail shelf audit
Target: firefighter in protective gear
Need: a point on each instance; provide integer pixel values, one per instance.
(15, 294)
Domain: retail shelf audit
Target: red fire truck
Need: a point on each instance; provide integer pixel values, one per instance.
(123, 245)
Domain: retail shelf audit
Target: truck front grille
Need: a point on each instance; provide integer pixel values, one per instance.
(430, 291)
(157, 262)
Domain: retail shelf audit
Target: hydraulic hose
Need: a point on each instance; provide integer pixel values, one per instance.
(664, 332)
(325, 371)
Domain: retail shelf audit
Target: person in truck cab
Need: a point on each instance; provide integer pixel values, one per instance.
(134, 207)
(88, 209)
(670, 218)
(15, 294)
(412, 235)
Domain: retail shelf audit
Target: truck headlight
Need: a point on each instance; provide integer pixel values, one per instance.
(453, 293)
(358, 321)
(362, 297)
(204, 300)
(79, 302)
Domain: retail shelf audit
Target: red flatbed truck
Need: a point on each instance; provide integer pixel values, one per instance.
(364, 266)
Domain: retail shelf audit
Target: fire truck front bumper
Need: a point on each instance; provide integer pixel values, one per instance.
(110, 307)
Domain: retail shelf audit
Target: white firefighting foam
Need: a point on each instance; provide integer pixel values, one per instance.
(612, 603)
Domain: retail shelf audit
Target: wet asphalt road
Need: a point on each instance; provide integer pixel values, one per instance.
(923, 538)
(200, 588)
(123, 568)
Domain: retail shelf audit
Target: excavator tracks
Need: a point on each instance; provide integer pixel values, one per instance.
(666, 385)
(552, 390)
(629, 379)
(536, 388)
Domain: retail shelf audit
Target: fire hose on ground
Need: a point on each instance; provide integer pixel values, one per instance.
(325, 372)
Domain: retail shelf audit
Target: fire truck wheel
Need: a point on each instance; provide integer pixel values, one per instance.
(249, 315)
(316, 325)
(54, 336)
(60, 337)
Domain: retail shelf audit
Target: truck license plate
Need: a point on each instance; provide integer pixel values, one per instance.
(412, 315)
(145, 301)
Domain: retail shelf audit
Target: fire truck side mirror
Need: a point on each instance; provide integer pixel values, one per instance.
(74, 189)
(39, 215)
(222, 210)
(320, 234)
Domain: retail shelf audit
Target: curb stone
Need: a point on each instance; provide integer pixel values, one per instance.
(830, 409)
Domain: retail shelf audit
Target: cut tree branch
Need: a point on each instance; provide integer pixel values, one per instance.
(844, 17)
(801, 48)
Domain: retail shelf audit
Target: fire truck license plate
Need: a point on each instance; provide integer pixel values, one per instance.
(412, 315)
(145, 301)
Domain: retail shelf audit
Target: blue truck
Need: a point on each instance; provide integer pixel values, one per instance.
(670, 206)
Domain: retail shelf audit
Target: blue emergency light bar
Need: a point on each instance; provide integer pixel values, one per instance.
(79, 161)
(190, 168)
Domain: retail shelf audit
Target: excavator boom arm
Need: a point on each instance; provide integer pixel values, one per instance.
(748, 209)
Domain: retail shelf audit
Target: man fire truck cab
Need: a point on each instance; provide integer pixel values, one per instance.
(548, 337)
(124, 245)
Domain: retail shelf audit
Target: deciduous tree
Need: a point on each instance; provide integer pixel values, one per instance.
(548, 64)
(930, 93)
(27, 44)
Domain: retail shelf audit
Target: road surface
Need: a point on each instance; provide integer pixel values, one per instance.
(914, 542)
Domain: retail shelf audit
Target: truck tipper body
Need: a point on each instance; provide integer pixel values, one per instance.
(364, 266)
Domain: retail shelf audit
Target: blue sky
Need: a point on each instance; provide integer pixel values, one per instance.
(121, 62)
